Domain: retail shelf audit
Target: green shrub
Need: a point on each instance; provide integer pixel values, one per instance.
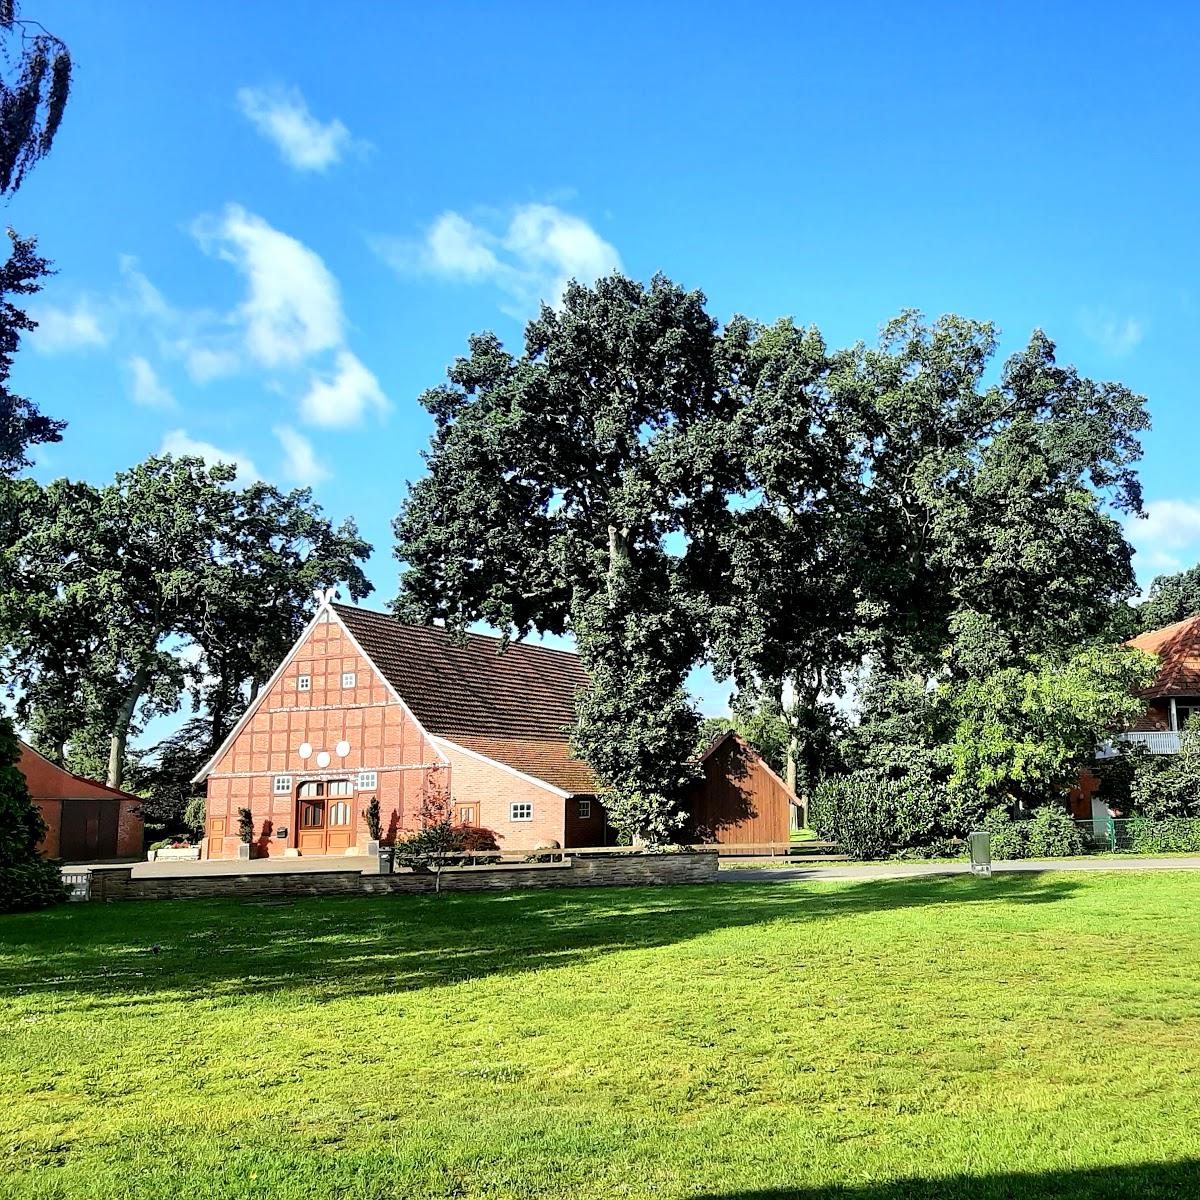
(1174, 835)
(873, 817)
(1049, 833)
(1053, 834)
(194, 815)
(34, 884)
(374, 819)
(26, 879)
(246, 825)
(1010, 839)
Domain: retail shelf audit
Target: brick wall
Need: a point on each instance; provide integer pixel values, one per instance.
(118, 883)
(382, 737)
(495, 790)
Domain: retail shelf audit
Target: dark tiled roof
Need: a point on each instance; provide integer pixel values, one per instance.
(1178, 649)
(514, 705)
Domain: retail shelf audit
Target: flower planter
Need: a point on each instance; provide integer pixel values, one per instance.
(174, 854)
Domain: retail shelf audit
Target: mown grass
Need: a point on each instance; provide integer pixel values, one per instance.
(933, 1037)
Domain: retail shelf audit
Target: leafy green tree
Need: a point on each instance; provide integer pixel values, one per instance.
(1170, 598)
(21, 424)
(114, 600)
(26, 879)
(1023, 733)
(582, 486)
(987, 535)
(1168, 785)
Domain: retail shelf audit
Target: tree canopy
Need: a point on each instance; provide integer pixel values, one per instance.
(1170, 598)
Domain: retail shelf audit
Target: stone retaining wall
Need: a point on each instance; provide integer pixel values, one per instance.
(119, 883)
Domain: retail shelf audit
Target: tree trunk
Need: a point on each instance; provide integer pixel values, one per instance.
(120, 733)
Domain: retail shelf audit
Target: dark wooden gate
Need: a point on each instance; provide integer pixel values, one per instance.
(88, 829)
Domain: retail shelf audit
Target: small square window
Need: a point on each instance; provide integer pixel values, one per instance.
(585, 809)
(282, 785)
(303, 683)
(367, 780)
(520, 812)
(347, 679)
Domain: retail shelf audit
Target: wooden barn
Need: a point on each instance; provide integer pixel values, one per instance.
(739, 800)
(366, 707)
(85, 820)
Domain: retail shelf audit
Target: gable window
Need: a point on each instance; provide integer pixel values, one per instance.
(585, 809)
(347, 679)
(338, 787)
(367, 780)
(282, 785)
(520, 812)
(304, 683)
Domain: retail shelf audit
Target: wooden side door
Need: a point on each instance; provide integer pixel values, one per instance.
(310, 818)
(466, 812)
(88, 829)
(339, 816)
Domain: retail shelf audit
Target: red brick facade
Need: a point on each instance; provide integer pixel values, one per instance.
(362, 727)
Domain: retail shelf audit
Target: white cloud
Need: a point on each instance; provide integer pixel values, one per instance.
(1168, 537)
(145, 386)
(532, 259)
(282, 116)
(179, 443)
(1116, 336)
(292, 309)
(341, 398)
(300, 460)
(64, 329)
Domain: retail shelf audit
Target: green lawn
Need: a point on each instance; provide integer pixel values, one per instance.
(1038, 1034)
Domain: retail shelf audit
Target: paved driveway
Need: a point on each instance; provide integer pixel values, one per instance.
(910, 870)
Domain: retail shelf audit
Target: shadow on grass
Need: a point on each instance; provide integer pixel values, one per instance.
(1143, 1181)
(371, 945)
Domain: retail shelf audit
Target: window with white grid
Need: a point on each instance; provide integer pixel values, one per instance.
(367, 780)
(585, 809)
(347, 679)
(304, 683)
(282, 785)
(520, 812)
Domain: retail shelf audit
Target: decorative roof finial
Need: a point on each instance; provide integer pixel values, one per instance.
(324, 596)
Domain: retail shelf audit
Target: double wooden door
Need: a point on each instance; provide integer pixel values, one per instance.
(325, 817)
(88, 829)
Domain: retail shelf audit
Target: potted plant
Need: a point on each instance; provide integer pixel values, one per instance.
(373, 818)
(245, 832)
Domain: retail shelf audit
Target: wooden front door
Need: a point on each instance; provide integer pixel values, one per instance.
(324, 816)
(88, 829)
(466, 814)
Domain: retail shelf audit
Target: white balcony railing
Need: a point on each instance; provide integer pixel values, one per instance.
(1156, 743)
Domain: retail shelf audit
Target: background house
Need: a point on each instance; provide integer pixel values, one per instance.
(84, 819)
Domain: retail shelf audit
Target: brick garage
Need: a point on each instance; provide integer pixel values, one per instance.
(84, 819)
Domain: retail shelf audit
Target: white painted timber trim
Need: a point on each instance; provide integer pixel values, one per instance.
(547, 787)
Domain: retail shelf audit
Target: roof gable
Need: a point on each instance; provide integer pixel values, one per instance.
(48, 781)
(1178, 649)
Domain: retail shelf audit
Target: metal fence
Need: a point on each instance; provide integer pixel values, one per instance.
(78, 882)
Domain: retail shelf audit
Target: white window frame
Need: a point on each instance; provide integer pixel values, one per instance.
(367, 781)
(524, 807)
(281, 785)
(585, 809)
(304, 683)
(349, 679)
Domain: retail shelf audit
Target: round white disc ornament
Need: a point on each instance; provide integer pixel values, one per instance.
(342, 749)
(305, 750)
(322, 758)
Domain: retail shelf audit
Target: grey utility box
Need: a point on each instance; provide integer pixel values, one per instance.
(980, 842)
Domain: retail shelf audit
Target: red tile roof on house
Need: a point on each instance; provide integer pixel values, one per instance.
(514, 704)
(1178, 649)
(49, 782)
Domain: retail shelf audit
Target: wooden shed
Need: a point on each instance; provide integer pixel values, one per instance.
(84, 819)
(739, 800)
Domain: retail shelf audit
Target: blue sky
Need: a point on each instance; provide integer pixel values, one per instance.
(274, 225)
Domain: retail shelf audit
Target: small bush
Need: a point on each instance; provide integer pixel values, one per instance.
(194, 815)
(1010, 839)
(246, 825)
(29, 885)
(1052, 834)
(1174, 835)
(1049, 833)
(373, 818)
(873, 817)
